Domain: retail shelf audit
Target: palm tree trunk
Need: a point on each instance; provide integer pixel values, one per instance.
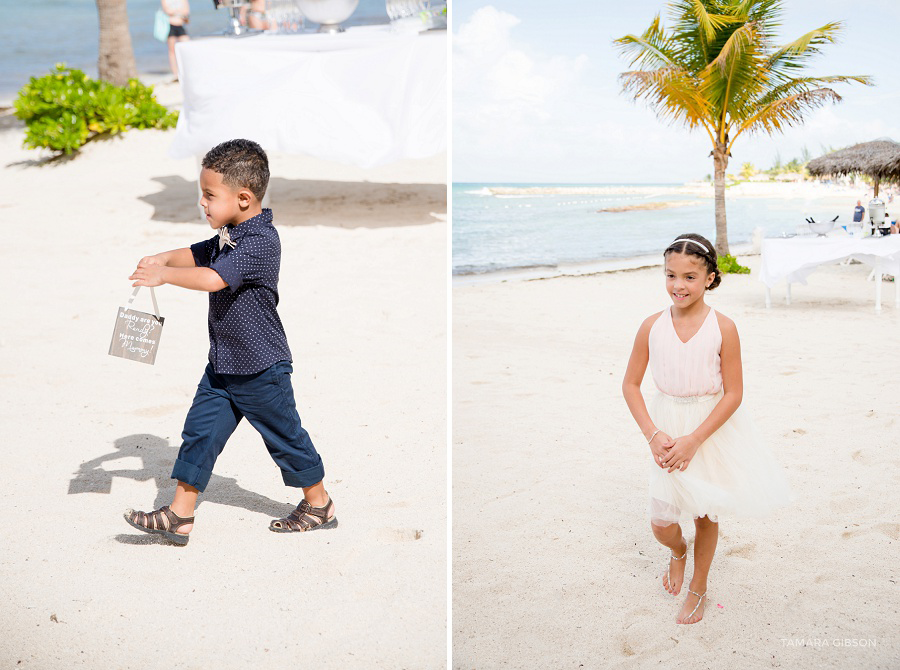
(720, 162)
(116, 61)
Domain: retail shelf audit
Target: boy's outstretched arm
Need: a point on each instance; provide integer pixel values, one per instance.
(177, 258)
(176, 267)
(198, 279)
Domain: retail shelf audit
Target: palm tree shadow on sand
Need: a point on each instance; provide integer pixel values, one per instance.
(157, 457)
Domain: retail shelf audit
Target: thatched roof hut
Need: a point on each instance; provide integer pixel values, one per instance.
(880, 159)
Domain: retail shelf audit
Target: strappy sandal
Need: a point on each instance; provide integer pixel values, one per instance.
(669, 565)
(160, 522)
(701, 597)
(306, 517)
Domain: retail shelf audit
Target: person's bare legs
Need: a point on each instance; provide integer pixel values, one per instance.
(704, 550)
(183, 504)
(173, 64)
(670, 536)
(316, 495)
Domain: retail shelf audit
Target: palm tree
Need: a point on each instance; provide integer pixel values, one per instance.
(116, 60)
(719, 69)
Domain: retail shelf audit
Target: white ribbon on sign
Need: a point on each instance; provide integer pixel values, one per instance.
(152, 297)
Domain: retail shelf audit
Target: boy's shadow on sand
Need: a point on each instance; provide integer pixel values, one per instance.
(157, 457)
(306, 202)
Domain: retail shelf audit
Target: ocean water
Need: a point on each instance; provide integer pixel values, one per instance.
(37, 34)
(499, 227)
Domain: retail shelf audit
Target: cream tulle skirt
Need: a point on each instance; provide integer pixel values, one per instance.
(733, 473)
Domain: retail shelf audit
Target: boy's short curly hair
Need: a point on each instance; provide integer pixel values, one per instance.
(690, 243)
(242, 164)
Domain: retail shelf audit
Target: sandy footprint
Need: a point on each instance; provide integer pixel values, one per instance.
(850, 504)
(400, 534)
(742, 550)
(892, 530)
(634, 639)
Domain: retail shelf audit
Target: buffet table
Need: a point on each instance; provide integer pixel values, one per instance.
(794, 259)
(365, 97)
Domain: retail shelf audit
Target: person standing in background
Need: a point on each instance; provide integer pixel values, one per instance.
(858, 212)
(179, 13)
(255, 16)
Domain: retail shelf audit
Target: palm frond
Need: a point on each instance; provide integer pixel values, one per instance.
(744, 7)
(785, 112)
(735, 48)
(671, 92)
(650, 48)
(767, 12)
(709, 24)
(641, 51)
(698, 25)
(794, 54)
(732, 80)
(800, 84)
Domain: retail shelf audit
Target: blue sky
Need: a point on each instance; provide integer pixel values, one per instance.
(536, 96)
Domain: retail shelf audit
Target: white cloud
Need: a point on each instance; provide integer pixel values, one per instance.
(504, 91)
(521, 114)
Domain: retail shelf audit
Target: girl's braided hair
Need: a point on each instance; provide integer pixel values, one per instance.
(681, 245)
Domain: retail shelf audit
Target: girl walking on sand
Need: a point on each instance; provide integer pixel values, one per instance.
(707, 457)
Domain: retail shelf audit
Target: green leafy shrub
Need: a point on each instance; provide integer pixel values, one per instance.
(65, 109)
(728, 264)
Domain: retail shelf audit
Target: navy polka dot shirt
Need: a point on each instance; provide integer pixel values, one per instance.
(245, 333)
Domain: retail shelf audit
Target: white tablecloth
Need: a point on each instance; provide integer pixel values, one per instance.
(794, 259)
(365, 97)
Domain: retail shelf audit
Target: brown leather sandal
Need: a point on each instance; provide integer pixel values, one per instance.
(306, 517)
(160, 522)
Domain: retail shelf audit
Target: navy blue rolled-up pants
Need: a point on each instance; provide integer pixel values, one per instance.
(267, 400)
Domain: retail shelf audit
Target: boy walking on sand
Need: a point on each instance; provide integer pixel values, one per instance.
(249, 368)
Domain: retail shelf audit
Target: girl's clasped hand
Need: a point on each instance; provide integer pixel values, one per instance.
(659, 446)
(674, 454)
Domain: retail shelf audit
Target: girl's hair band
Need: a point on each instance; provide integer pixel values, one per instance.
(684, 239)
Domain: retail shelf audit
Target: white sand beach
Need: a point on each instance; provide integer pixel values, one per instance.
(87, 435)
(554, 562)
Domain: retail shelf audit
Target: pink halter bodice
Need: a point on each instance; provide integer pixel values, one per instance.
(691, 368)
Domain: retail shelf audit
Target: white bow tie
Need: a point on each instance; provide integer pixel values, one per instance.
(225, 238)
